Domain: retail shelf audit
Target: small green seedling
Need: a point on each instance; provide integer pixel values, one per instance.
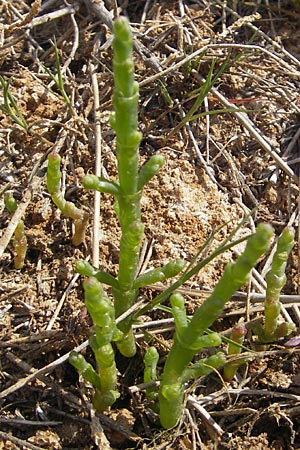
(10, 106)
(10, 202)
(150, 363)
(19, 239)
(58, 78)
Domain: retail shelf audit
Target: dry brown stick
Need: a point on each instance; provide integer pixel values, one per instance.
(75, 44)
(256, 134)
(264, 392)
(43, 335)
(209, 170)
(291, 145)
(238, 296)
(264, 35)
(214, 430)
(24, 21)
(56, 388)
(203, 49)
(98, 148)
(29, 423)
(218, 395)
(61, 302)
(71, 9)
(20, 442)
(110, 423)
(46, 369)
(103, 14)
(97, 432)
(145, 257)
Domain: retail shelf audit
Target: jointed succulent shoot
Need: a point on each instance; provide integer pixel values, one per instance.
(188, 339)
(68, 209)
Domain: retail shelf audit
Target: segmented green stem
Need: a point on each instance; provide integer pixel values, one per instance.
(160, 274)
(85, 268)
(131, 180)
(124, 121)
(150, 362)
(204, 367)
(102, 312)
(186, 342)
(276, 279)
(68, 209)
(85, 369)
(237, 336)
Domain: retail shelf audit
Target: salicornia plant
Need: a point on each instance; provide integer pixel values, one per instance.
(150, 362)
(68, 209)
(104, 379)
(276, 279)
(127, 191)
(20, 245)
(190, 337)
(237, 337)
(19, 238)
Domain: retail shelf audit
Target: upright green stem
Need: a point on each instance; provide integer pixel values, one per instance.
(20, 239)
(20, 245)
(104, 379)
(237, 337)
(125, 123)
(150, 362)
(188, 337)
(128, 189)
(276, 279)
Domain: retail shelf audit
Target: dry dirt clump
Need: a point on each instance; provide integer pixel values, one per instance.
(218, 168)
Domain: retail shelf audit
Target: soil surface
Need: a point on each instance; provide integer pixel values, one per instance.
(241, 158)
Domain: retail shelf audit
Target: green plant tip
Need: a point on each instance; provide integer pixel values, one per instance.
(10, 202)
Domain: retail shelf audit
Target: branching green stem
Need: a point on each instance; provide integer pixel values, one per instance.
(162, 273)
(86, 269)
(68, 209)
(187, 341)
(131, 180)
